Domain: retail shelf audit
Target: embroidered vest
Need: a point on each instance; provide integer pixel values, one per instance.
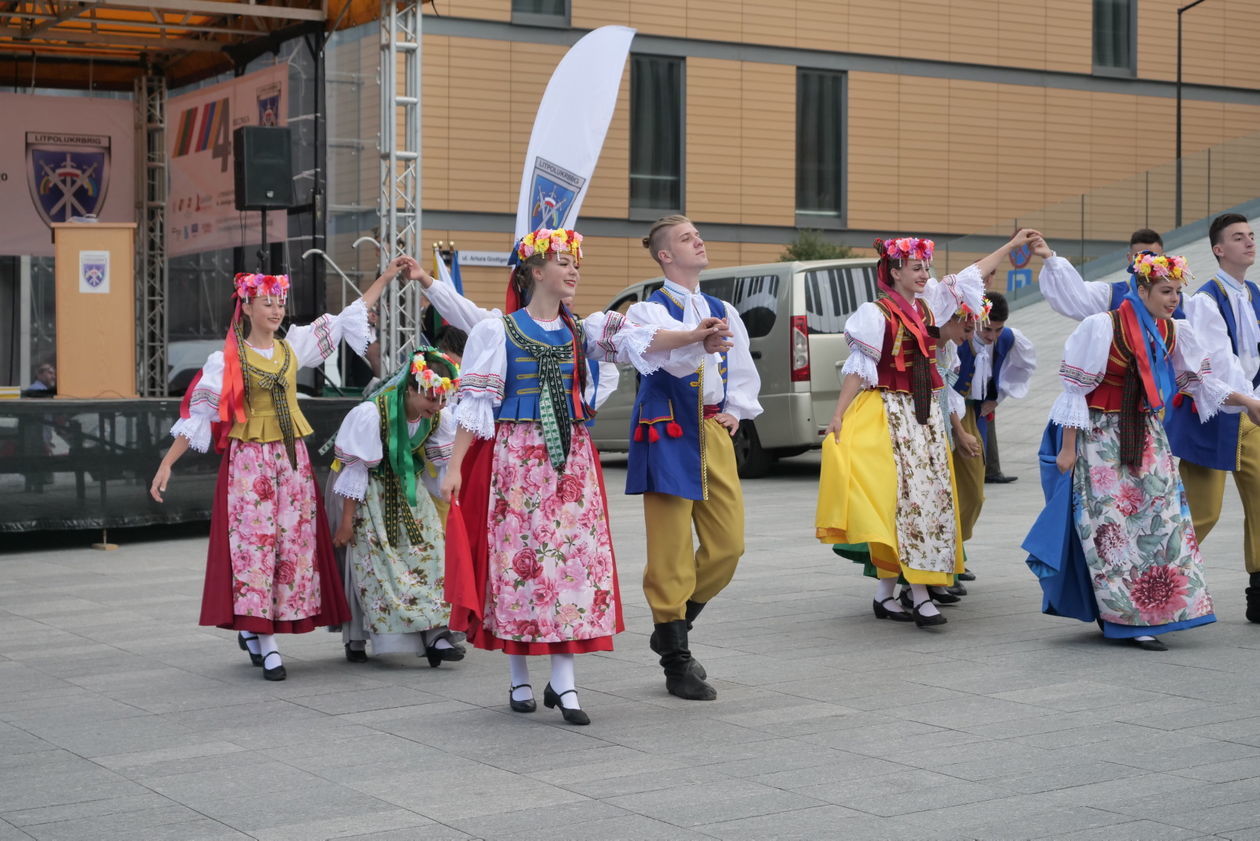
(520, 387)
(898, 345)
(967, 361)
(666, 430)
(1213, 444)
(261, 421)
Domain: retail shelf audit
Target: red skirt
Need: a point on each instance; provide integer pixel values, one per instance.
(467, 563)
(217, 594)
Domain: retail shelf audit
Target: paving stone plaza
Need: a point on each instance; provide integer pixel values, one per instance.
(121, 719)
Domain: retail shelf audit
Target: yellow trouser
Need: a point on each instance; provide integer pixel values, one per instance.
(442, 507)
(675, 572)
(969, 478)
(1205, 491)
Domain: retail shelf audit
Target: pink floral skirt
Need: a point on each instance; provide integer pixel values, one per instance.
(547, 578)
(270, 566)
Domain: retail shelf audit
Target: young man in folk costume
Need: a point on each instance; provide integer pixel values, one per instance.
(1225, 314)
(683, 461)
(996, 363)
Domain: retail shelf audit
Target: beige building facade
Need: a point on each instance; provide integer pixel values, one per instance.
(858, 117)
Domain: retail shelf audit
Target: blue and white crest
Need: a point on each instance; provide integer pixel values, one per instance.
(68, 174)
(551, 194)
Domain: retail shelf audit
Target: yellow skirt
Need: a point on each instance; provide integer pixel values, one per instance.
(860, 489)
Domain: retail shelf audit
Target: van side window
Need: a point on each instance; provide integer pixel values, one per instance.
(755, 298)
(832, 294)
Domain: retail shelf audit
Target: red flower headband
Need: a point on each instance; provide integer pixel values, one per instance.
(250, 285)
(906, 248)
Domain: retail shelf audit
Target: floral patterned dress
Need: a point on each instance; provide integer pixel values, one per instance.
(1131, 519)
(541, 549)
(394, 583)
(270, 567)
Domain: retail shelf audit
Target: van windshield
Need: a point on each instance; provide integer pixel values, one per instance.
(755, 298)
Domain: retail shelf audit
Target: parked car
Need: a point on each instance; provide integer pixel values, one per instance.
(795, 314)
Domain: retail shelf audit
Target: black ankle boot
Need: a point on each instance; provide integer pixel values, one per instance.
(680, 676)
(693, 610)
(1253, 598)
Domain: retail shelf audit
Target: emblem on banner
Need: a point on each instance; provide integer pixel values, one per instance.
(68, 173)
(551, 192)
(269, 105)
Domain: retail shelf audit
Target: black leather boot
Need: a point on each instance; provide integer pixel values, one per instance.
(693, 610)
(1253, 598)
(680, 676)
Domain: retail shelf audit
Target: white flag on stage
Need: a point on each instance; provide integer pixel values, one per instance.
(569, 130)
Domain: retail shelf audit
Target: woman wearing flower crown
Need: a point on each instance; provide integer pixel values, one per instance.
(395, 550)
(886, 489)
(270, 567)
(530, 567)
(1129, 537)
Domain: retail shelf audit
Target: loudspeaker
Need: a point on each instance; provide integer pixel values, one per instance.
(263, 167)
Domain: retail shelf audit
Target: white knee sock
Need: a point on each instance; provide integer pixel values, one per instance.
(251, 641)
(562, 679)
(266, 647)
(884, 590)
(441, 643)
(518, 669)
(923, 600)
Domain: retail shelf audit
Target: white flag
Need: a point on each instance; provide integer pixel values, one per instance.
(569, 130)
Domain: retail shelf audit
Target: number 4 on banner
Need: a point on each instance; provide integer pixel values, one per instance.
(222, 151)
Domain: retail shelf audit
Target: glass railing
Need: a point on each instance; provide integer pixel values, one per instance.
(1092, 229)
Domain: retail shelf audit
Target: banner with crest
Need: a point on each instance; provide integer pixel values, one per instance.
(63, 158)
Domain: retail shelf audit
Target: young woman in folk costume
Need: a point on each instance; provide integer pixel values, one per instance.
(886, 487)
(270, 567)
(395, 550)
(530, 567)
(1131, 540)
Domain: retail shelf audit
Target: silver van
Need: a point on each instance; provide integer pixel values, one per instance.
(795, 314)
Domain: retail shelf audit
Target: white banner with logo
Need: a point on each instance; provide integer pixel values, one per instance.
(201, 212)
(63, 158)
(569, 129)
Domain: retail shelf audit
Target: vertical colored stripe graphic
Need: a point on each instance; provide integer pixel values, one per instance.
(187, 122)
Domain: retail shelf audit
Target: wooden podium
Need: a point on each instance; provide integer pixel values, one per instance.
(96, 309)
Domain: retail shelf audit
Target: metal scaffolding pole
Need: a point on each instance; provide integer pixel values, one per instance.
(150, 98)
(399, 231)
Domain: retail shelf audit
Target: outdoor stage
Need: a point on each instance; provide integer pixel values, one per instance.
(87, 464)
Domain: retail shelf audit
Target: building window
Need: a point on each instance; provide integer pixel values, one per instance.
(541, 12)
(656, 133)
(1115, 36)
(819, 143)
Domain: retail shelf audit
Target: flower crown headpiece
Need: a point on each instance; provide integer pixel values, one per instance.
(1149, 267)
(965, 312)
(250, 285)
(431, 380)
(906, 248)
(548, 240)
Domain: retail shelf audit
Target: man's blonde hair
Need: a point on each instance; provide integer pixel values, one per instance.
(652, 242)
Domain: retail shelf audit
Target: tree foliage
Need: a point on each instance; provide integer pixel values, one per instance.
(809, 244)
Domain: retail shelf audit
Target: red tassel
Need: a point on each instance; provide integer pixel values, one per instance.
(638, 432)
(673, 430)
(653, 435)
(1178, 400)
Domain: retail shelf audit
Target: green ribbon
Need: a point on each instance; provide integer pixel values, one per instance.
(553, 397)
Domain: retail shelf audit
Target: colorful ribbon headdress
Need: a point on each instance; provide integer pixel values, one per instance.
(246, 286)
